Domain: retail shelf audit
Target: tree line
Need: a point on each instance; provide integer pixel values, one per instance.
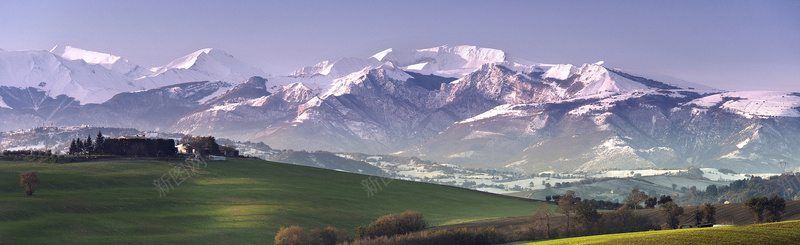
(137, 147)
(786, 185)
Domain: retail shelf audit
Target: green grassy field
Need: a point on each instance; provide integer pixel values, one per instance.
(236, 201)
(773, 233)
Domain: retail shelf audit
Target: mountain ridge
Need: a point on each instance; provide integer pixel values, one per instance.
(463, 104)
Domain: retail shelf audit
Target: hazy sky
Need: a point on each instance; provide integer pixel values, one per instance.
(732, 45)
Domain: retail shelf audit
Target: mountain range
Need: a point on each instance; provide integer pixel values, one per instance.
(466, 105)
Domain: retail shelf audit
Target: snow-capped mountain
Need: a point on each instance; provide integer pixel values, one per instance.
(240, 115)
(153, 109)
(94, 77)
(462, 104)
(639, 130)
(202, 65)
(443, 61)
(54, 75)
(41, 86)
(111, 62)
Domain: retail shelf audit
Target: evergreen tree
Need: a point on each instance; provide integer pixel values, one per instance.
(79, 146)
(88, 147)
(98, 142)
(73, 147)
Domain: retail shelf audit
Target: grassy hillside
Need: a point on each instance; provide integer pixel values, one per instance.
(236, 201)
(772, 233)
(730, 214)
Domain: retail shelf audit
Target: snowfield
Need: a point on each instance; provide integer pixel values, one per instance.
(751, 104)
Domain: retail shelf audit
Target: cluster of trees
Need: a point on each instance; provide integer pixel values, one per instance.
(596, 204)
(393, 224)
(398, 229)
(774, 207)
(34, 156)
(587, 221)
(786, 186)
(204, 145)
(474, 236)
(590, 222)
(7, 153)
(87, 147)
(384, 227)
(137, 147)
(706, 213)
(294, 235)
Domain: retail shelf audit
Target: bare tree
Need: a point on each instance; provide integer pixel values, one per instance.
(635, 198)
(567, 205)
(544, 212)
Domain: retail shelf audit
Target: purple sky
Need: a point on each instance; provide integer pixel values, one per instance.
(732, 45)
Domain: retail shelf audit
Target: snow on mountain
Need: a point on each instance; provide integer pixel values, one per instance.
(111, 62)
(560, 72)
(89, 83)
(444, 60)
(343, 85)
(669, 80)
(2, 103)
(293, 93)
(598, 79)
(341, 67)
(94, 77)
(202, 65)
(506, 110)
(750, 104)
(241, 116)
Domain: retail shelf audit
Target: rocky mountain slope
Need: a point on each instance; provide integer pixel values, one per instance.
(472, 106)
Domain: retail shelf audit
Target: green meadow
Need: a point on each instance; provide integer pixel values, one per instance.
(235, 201)
(772, 233)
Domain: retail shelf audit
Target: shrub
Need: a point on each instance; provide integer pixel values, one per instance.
(328, 236)
(292, 235)
(393, 224)
(437, 237)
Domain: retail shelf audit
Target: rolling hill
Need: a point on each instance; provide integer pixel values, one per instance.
(227, 202)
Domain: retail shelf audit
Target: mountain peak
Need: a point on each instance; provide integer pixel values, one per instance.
(91, 57)
(189, 60)
(111, 62)
(455, 61)
(204, 65)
